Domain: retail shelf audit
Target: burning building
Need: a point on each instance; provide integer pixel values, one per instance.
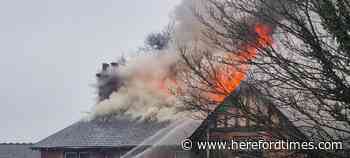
(148, 135)
(114, 134)
(139, 115)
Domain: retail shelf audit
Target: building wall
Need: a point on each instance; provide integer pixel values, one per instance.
(51, 154)
(98, 155)
(93, 153)
(165, 152)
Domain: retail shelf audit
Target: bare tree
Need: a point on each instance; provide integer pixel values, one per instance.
(159, 40)
(304, 72)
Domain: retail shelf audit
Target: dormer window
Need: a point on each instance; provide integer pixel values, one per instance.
(232, 118)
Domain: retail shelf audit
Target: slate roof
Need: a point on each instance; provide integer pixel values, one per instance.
(16, 150)
(100, 133)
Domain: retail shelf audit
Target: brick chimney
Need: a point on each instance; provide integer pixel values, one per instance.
(108, 80)
(105, 66)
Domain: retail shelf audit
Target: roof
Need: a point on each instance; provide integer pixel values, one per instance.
(121, 132)
(16, 150)
(246, 91)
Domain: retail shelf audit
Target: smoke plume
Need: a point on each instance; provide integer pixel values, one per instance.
(146, 87)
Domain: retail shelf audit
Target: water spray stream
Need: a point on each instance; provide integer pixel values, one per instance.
(171, 135)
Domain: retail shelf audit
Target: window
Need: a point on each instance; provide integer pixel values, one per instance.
(84, 155)
(71, 155)
(228, 119)
(252, 123)
(76, 155)
(232, 122)
(242, 122)
(221, 121)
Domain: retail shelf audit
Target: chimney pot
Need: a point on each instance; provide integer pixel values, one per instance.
(105, 66)
(114, 64)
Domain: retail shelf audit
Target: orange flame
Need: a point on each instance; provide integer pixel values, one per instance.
(166, 84)
(229, 77)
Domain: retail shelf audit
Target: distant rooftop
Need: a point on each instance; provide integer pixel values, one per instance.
(18, 150)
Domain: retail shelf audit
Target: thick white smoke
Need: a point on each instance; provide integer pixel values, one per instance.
(148, 82)
(189, 29)
(146, 93)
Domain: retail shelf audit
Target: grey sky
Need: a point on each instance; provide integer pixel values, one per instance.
(50, 51)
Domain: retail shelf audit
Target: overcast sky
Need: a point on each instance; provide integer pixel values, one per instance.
(50, 51)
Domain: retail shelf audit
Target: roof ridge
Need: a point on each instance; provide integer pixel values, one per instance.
(17, 143)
